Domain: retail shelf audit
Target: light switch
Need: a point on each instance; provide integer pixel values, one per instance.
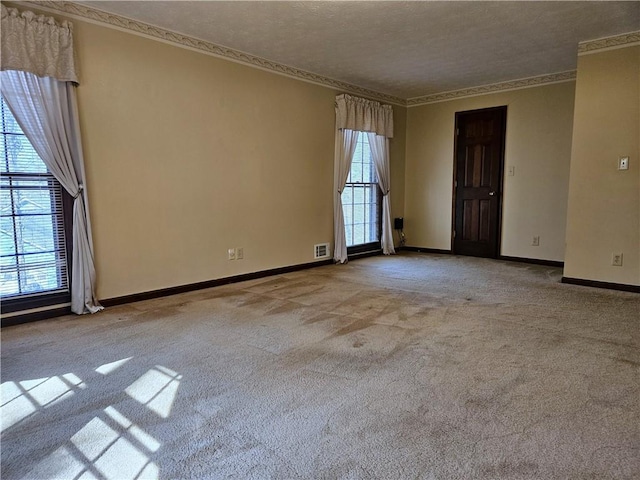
(511, 171)
(623, 163)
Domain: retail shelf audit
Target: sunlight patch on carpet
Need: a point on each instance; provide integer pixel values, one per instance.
(94, 438)
(136, 432)
(110, 367)
(156, 389)
(22, 399)
(60, 464)
(108, 448)
(122, 461)
(15, 410)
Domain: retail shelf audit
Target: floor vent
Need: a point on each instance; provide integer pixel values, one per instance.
(321, 250)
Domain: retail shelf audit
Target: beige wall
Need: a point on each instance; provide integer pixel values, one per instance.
(604, 203)
(188, 155)
(397, 151)
(538, 145)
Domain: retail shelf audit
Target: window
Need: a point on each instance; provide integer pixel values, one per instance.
(361, 200)
(33, 247)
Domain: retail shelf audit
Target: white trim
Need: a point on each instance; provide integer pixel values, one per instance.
(598, 45)
(124, 24)
(510, 85)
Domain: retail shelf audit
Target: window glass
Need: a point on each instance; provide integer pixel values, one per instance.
(360, 197)
(33, 255)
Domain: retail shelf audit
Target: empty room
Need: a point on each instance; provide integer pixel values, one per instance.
(320, 240)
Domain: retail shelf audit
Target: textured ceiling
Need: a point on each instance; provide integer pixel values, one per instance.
(405, 49)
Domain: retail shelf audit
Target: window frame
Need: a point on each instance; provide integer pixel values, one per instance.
(369, 246)
(46, 298)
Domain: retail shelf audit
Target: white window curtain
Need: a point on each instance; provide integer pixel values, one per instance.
(45, 106)
(346, 141)
(380, 153)
(355, 115)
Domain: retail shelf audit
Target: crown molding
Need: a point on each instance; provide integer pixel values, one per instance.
(494, 88)
(608, 43)
(118, 22)
(94, 15)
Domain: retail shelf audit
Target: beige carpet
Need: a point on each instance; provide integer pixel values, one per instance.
(415, 366)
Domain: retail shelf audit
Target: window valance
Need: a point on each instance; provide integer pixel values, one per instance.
(37, 44)
(354, 113)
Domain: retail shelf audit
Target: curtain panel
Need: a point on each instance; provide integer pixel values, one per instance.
(38, 81)
(364, 115)
(380, 154)
(346, 141)
(37, 44)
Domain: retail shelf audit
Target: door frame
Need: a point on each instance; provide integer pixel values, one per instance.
(503, 110)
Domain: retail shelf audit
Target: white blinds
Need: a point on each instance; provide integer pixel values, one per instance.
(33, 252)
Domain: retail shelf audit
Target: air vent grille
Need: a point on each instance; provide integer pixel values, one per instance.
(321, 250)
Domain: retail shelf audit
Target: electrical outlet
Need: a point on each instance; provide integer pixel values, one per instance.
(239, 253)
(623, 163)
(232, 254)
(616, 259)
(536, 241)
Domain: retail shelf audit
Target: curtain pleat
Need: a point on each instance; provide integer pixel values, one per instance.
(380, 152)
(46, 110)
(345, 145)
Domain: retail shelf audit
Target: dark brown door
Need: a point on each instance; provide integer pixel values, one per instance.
(478, 181)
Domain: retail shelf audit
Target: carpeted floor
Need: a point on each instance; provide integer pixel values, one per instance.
(413, 366)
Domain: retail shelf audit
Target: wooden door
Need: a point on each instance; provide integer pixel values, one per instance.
(479, 163)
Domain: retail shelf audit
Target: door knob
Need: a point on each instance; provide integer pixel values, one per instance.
(492, 193)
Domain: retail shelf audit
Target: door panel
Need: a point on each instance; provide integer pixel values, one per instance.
(478, 181)
(470, 220)
(485, 221)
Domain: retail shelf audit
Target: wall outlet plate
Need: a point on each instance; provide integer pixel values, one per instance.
(623, 163)
(232, 253)
(536, 241)
(239, 253)
(616, 259)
